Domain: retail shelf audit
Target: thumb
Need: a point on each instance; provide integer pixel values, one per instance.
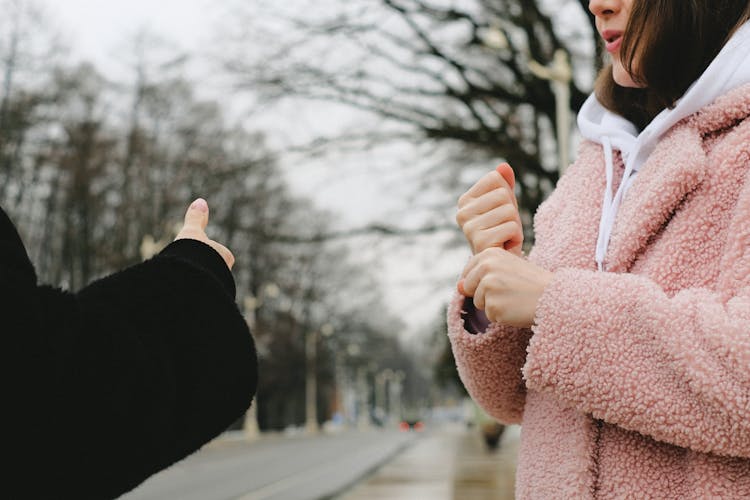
(507, 172)
(196, 216)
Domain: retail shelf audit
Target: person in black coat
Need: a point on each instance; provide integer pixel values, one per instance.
(104, 387)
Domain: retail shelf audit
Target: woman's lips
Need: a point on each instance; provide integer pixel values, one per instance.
(612, 39)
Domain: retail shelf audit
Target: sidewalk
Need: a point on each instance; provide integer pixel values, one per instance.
(445, 465)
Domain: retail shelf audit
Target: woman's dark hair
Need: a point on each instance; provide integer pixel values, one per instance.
(666, 47)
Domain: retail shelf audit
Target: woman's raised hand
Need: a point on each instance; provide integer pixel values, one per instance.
(488, 213)
(196, 220)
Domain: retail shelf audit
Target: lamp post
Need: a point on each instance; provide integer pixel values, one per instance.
(559, 74)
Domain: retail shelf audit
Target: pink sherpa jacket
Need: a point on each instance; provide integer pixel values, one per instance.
(635, 382)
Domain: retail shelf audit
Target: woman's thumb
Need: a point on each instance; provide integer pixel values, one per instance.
(507, 172)
(197, 215)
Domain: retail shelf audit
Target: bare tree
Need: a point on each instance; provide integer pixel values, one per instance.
(453, 73)
(28, 49)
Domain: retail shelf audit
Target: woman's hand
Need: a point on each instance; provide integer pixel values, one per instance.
(488, 213)
(196, 220)
(506, 286)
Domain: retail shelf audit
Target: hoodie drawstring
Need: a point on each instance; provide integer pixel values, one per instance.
(610, 204)
(602, 243)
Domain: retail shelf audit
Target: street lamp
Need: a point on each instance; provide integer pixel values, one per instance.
(559, 74)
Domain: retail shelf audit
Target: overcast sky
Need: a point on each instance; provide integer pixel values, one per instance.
(95, 27)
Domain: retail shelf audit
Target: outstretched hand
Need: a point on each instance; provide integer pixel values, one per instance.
(196, 220)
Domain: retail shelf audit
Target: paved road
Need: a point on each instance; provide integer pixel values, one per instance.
(275, 468)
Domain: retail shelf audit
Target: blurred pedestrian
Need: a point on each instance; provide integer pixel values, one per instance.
(104, 387)
(622, 343)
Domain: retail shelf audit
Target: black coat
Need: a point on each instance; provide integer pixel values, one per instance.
(104, 387)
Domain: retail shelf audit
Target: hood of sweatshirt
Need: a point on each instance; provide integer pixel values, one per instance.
(729, 70)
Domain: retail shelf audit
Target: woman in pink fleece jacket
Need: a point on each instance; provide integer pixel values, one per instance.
(622, 343)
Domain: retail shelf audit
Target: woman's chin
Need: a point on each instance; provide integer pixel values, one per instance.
(623, 78)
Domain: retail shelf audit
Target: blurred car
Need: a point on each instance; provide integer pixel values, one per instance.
(411, 425)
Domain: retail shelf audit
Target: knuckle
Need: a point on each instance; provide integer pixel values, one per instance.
(483, 266)
(509, 211)
(461, 217)
(487, 253)
(501, 196)
(513, 215)
(469, 228)
(463, 200)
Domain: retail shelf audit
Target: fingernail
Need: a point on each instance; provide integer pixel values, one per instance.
(461, 287)
(200, 204)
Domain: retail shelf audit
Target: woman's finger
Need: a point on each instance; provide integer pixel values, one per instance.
(470, 280)
(490, 181)
(496, 217)
(485, 203)
(494, 229)
(507, 235)
(479, 297)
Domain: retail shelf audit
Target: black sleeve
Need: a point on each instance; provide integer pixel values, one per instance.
(124, 378)
(205, 257)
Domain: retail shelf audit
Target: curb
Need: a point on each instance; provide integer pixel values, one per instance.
(369, 472)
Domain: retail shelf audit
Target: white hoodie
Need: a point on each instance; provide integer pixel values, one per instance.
(729, 70)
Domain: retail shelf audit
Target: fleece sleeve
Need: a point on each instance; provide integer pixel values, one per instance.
(673, 368)
(489, 363)
(127, 376)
